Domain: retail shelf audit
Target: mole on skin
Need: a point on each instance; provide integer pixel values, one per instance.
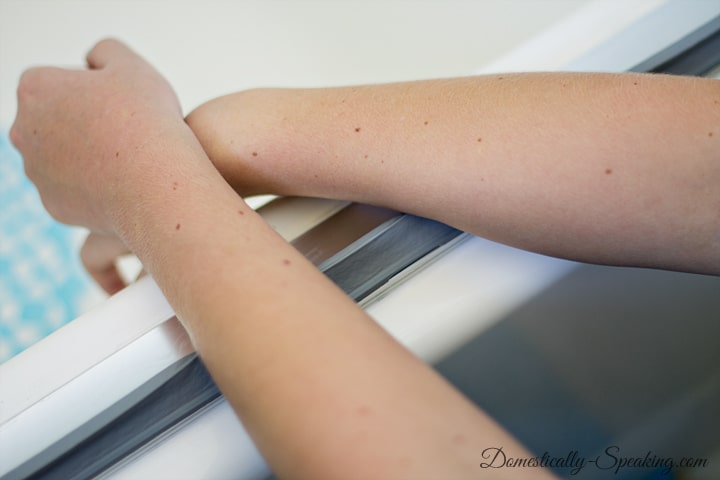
(363, 410)
(458, 439)
(608, 171)
(177, 227)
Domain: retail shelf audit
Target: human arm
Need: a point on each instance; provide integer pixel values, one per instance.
(321, 388)
(606, 168)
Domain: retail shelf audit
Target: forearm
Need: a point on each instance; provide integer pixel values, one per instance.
(615, 169)
(322, 389)
(307, 371)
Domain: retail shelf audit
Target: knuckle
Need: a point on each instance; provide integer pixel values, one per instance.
(36, 80)
(29, 81)
(15, 136)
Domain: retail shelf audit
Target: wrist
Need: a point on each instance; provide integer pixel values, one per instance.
(169, 163)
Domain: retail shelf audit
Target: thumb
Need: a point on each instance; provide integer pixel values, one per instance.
(108, 51)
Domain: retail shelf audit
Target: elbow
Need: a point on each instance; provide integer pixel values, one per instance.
(231, 129)
(222, 127)
(206, 122)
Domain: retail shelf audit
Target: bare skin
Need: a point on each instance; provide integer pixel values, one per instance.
(605, 168)
(612, 169)
(321, 388)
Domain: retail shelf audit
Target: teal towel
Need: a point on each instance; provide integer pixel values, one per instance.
(42, 282)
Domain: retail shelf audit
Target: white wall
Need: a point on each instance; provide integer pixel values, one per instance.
(207, 48)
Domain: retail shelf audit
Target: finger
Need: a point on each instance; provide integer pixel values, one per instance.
(99, 254)
(107, 51)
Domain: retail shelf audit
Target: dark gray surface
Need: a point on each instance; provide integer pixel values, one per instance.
(170, 397)
(606, 356)
(696, 54)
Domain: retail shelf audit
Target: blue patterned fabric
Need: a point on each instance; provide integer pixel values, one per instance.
(42, 282)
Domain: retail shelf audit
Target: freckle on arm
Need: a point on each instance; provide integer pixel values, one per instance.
(363, 410)
(459, 439)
